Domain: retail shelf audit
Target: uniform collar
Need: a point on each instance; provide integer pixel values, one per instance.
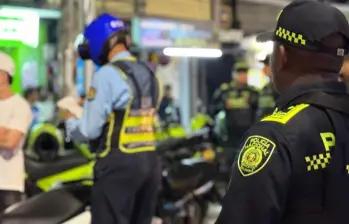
(332, 87)
(121, 55)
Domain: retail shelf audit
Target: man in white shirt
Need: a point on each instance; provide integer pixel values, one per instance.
(15, 118)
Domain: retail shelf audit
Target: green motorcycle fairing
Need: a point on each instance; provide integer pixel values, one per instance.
(199, 121)
(40, 129)
(75, 173)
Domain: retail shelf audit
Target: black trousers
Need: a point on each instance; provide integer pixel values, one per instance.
(8, 198)
(125, 189)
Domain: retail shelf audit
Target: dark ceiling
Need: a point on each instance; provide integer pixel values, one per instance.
(29, 3)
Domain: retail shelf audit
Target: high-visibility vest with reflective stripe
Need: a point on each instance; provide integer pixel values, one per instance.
(131, 130)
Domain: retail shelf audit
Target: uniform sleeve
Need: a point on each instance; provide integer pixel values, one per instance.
(108, 91)
(254, 99)
(259, 184)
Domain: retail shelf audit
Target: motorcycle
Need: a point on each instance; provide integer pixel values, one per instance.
(48, 163)
(53, 207)
(187, 186)
(52, 158)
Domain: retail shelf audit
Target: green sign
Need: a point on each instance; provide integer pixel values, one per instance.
(19, 25)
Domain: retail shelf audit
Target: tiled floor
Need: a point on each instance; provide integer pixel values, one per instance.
(210, 219)
(212, 214)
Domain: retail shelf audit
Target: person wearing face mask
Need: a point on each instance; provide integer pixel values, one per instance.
(239, 101)
(293, 167)
(268, 94)
(15, 119)
(117, 120)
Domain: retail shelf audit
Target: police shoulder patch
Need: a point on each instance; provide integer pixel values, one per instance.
(91, 93)
(285, 116)
(255, 154)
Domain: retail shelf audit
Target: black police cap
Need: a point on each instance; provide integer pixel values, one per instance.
(241, 67)
(304, 24)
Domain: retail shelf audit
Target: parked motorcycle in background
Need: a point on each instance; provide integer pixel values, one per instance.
(188, 186)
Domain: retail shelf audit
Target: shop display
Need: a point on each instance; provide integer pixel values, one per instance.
(25, 47)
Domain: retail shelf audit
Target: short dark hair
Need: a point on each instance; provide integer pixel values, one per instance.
(168, 88)
(10, 79)
(308, 61)
(30, 91)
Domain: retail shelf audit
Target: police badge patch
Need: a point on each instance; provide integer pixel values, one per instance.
(255, 154)
(91, 94)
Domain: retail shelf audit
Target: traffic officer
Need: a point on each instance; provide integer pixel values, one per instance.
(293, 166)
(118, 120)
(239, 101)
(268, 95)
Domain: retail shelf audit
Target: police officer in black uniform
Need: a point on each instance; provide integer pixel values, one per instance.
(239, 101)
(294, 164)
(268, 94)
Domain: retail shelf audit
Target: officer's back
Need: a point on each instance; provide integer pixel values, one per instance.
(293, 165)
(310, 137)
(130, 130)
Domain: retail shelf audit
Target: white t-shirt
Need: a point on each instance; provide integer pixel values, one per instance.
(15, 113)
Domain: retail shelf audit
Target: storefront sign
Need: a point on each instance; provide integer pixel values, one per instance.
(19, 25)
(158, 33)
(225, 17)
(230, 36)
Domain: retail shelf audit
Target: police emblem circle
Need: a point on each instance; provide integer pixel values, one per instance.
(91, 93)
(251, 158)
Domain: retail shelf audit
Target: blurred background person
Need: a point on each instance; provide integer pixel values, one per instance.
(168, 112)
(239, 101)
(268, 95)
(15, 119)
(32, 95)
(82, 99)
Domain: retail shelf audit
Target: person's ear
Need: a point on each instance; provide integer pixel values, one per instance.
(282, 57)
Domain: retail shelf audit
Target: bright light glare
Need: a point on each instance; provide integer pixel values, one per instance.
(266, 47)
(193, 52)
(78, 40)
(261, 56)
(269, 47)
